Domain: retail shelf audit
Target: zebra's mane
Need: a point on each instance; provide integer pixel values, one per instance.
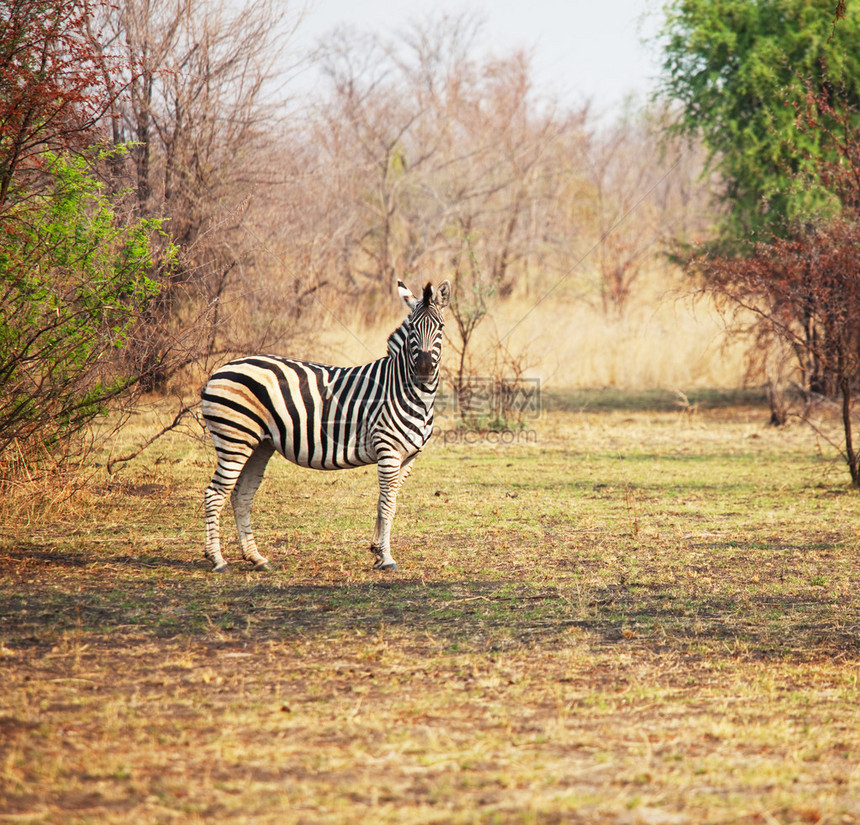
(397, 339)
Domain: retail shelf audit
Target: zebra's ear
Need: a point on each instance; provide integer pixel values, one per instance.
(406, 295)
(443, 295)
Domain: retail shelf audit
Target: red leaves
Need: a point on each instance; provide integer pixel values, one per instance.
(804, 289)
(52, 89)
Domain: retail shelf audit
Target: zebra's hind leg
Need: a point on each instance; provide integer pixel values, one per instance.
(232, 457)
(243, 497)
(214, 498)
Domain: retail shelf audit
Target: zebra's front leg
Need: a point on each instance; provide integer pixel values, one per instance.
(392, 471)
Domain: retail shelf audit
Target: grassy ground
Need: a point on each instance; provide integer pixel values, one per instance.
(616, 616)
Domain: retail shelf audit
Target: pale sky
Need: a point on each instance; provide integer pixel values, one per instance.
(581, 48)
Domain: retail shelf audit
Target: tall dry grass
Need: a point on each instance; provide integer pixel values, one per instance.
(663, 339)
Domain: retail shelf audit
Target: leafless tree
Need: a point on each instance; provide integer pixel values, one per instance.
(645, 195)
(431, 157)
(200, 88)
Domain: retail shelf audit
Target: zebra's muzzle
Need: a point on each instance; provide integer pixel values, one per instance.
(424, 365)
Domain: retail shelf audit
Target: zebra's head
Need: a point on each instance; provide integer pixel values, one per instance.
(424, 329)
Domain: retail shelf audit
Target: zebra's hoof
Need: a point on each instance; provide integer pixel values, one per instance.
(221, 568)
(390, 567)
(262, 565)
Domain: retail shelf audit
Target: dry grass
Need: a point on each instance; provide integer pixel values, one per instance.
(662, 340)
(643, 617)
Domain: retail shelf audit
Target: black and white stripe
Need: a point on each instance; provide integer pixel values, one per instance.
(325, 418)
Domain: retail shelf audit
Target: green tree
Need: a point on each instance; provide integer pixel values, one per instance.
(75, 280)
(736, 70)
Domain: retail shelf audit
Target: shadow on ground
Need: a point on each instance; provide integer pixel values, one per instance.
(45, 593)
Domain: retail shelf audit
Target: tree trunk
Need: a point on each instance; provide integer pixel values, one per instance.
(845, 389)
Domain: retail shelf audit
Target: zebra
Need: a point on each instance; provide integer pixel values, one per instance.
(326, 418)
